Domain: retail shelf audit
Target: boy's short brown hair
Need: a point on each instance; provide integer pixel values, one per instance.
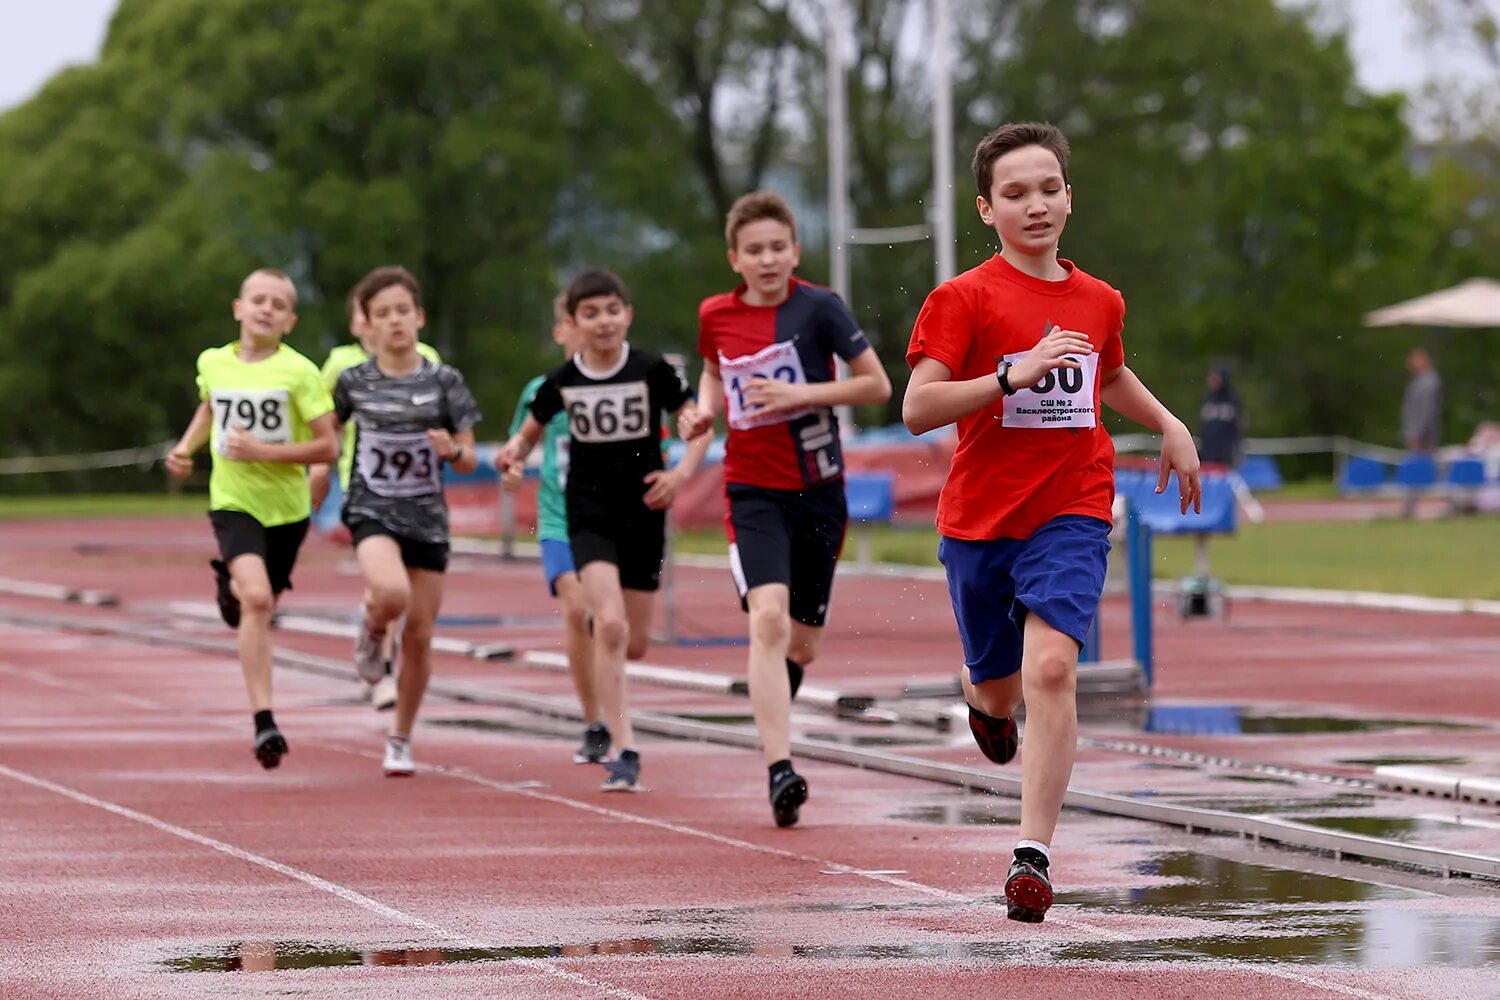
(592, 284)
(1012, 136)
(754, 207)
(382, 278)
(271, 272)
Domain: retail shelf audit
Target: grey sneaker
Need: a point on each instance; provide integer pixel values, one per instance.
(595, 745)
(369, 662)
(623, 773)
(398, 762)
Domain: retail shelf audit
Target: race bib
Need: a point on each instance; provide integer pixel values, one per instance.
(1063, 398)
(779, 361)
(598, 414)
(265, 414)
(398, 465)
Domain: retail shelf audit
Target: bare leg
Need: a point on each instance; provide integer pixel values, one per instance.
(387, 589)
(251, 585)
(579, 644)
(416, 648)
(640, 610)
(602, 593)
(770, 692)
(1049, 678)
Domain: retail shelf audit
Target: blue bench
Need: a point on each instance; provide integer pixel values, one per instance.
(1362, 475)
(1417, 473)
(872, 500)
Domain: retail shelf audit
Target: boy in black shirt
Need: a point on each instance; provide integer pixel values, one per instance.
(618, 488)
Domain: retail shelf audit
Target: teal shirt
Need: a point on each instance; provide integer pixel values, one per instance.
(551, 507)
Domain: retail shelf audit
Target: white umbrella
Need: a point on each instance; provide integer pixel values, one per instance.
(1475, 302)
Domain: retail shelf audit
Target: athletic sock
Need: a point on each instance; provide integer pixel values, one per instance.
(794, 675)
(1034, 852)
(778, 769)
(263, 721)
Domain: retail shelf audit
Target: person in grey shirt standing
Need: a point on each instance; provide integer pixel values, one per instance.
(1421, 412)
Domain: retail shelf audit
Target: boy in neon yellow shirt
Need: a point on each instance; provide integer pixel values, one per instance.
(381, 694)
(266, 414)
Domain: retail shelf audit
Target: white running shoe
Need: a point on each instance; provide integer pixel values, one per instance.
(369, 661)
(383, 694)
(398, 762)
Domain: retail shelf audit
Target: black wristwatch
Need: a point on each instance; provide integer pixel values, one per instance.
(1002, 373)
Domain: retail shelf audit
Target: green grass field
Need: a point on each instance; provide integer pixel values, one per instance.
(1451, 558)
(1457, 557)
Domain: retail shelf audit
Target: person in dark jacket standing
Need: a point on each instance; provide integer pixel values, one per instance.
(1223, 422)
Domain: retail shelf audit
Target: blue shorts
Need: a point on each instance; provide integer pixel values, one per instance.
(557, 559)
(1056, 574)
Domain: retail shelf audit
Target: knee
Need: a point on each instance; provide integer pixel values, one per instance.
(417, 634)
(769, 626)
(611, 630)
(387, 601)
(802, 650)
(256, 600)
(1054, 670)
(575, 617)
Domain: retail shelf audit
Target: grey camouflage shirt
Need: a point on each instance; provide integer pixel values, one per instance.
(397, 478)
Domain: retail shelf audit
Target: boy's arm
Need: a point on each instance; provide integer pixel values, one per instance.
(868, 383)
(1123, 391)
(663, 486)
(241, 446)
(320, 474)
(180, 458)
(933, 400)
(513, 454)
(698, 419)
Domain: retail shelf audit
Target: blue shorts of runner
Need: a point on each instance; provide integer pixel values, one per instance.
(1057, 574)
(241, 534)
(415, 553)
(792, 537)
(557, 559)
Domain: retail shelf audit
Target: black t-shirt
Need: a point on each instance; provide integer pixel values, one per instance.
(614, 420)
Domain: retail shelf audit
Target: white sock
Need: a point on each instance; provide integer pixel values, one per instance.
(1038, 846)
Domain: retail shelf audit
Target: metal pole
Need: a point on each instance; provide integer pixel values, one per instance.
(838, 152)
(943, 240)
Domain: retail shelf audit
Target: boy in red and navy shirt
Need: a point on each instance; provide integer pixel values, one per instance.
(1020, 352)
(768, 352)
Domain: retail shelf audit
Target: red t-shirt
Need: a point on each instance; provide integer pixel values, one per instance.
(1042, 452)
(795, 341)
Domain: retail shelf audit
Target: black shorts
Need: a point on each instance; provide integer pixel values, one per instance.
(240, 534)
(633, 541)
(788, 536)
(431, 556)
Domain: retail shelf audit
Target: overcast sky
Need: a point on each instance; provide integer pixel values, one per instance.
(41, 38)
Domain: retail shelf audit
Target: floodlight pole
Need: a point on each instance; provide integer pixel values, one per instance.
(838, 150)
(943, 238)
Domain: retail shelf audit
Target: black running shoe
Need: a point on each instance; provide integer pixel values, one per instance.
(270, 747)
(794, 676)
(1028, 892)
(229, 605)
(623, 774)
(788, 792)
(998, 738)
(595, 745)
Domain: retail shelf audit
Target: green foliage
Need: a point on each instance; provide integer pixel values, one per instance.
(481, 148)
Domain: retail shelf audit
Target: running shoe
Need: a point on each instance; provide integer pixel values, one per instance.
(229, 605)
(595, 745)
(788, 792)
(623, 773)
(369, 661)
(1028, 891)
(270, 747)
(383, 693)
(398, 762)
(998, 738)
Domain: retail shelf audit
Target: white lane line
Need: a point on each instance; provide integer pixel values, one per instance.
(522, 788)
(307, 878)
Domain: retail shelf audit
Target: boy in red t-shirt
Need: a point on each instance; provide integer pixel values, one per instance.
(768, 352)
(1020, 352)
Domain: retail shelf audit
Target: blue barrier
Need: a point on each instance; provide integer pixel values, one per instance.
(1138, 555)
(872, 500)
(1260, 473)
(1417, 472)
(1465, 473)
(1163, 511)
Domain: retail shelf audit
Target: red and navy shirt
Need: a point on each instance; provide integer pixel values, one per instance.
(795, 341)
